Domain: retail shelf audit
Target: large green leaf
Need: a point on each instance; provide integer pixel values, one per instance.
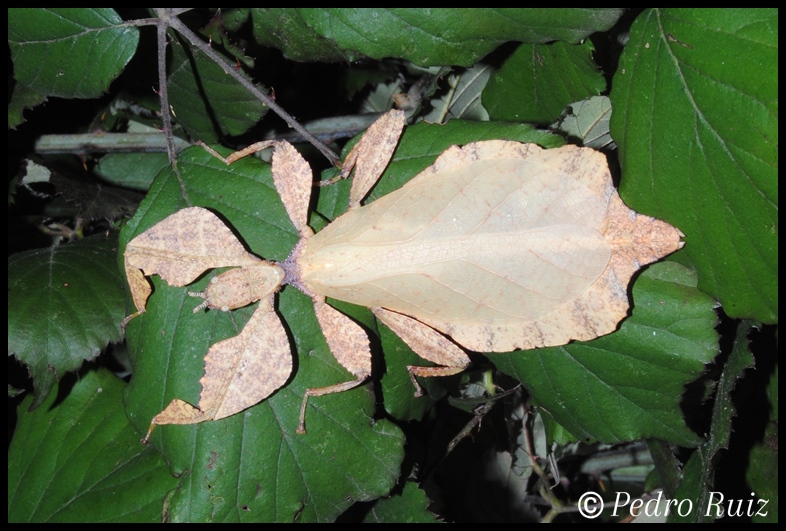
(445, 36)
(79, 460)
(65, 303)
(69, 52)
(696, 119)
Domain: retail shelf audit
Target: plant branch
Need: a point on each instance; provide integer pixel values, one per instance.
(165, 114)
(168, 19)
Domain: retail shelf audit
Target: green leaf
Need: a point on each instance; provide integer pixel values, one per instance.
(408, 507)
(207, 102)
(628, 385)
(423, 36)
(696, 119)
(463, 97)
(251, 466)
(588, 121)
(79, 460)
(536, 82)
(69, 52)
(65, 303)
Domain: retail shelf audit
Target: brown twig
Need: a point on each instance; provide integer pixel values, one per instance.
(165, 114)
(169, 18)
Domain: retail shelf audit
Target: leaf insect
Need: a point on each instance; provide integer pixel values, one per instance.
(496, 246)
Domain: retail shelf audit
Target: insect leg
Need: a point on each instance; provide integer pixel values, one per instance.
(349, 345)
(428, 344)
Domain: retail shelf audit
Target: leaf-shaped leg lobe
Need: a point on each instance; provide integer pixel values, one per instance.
(140, 292)
(291, 175)
(428, 344)
(239, 372)
(293, 179)
(179, 249)
(372, 153)
(348, 343)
